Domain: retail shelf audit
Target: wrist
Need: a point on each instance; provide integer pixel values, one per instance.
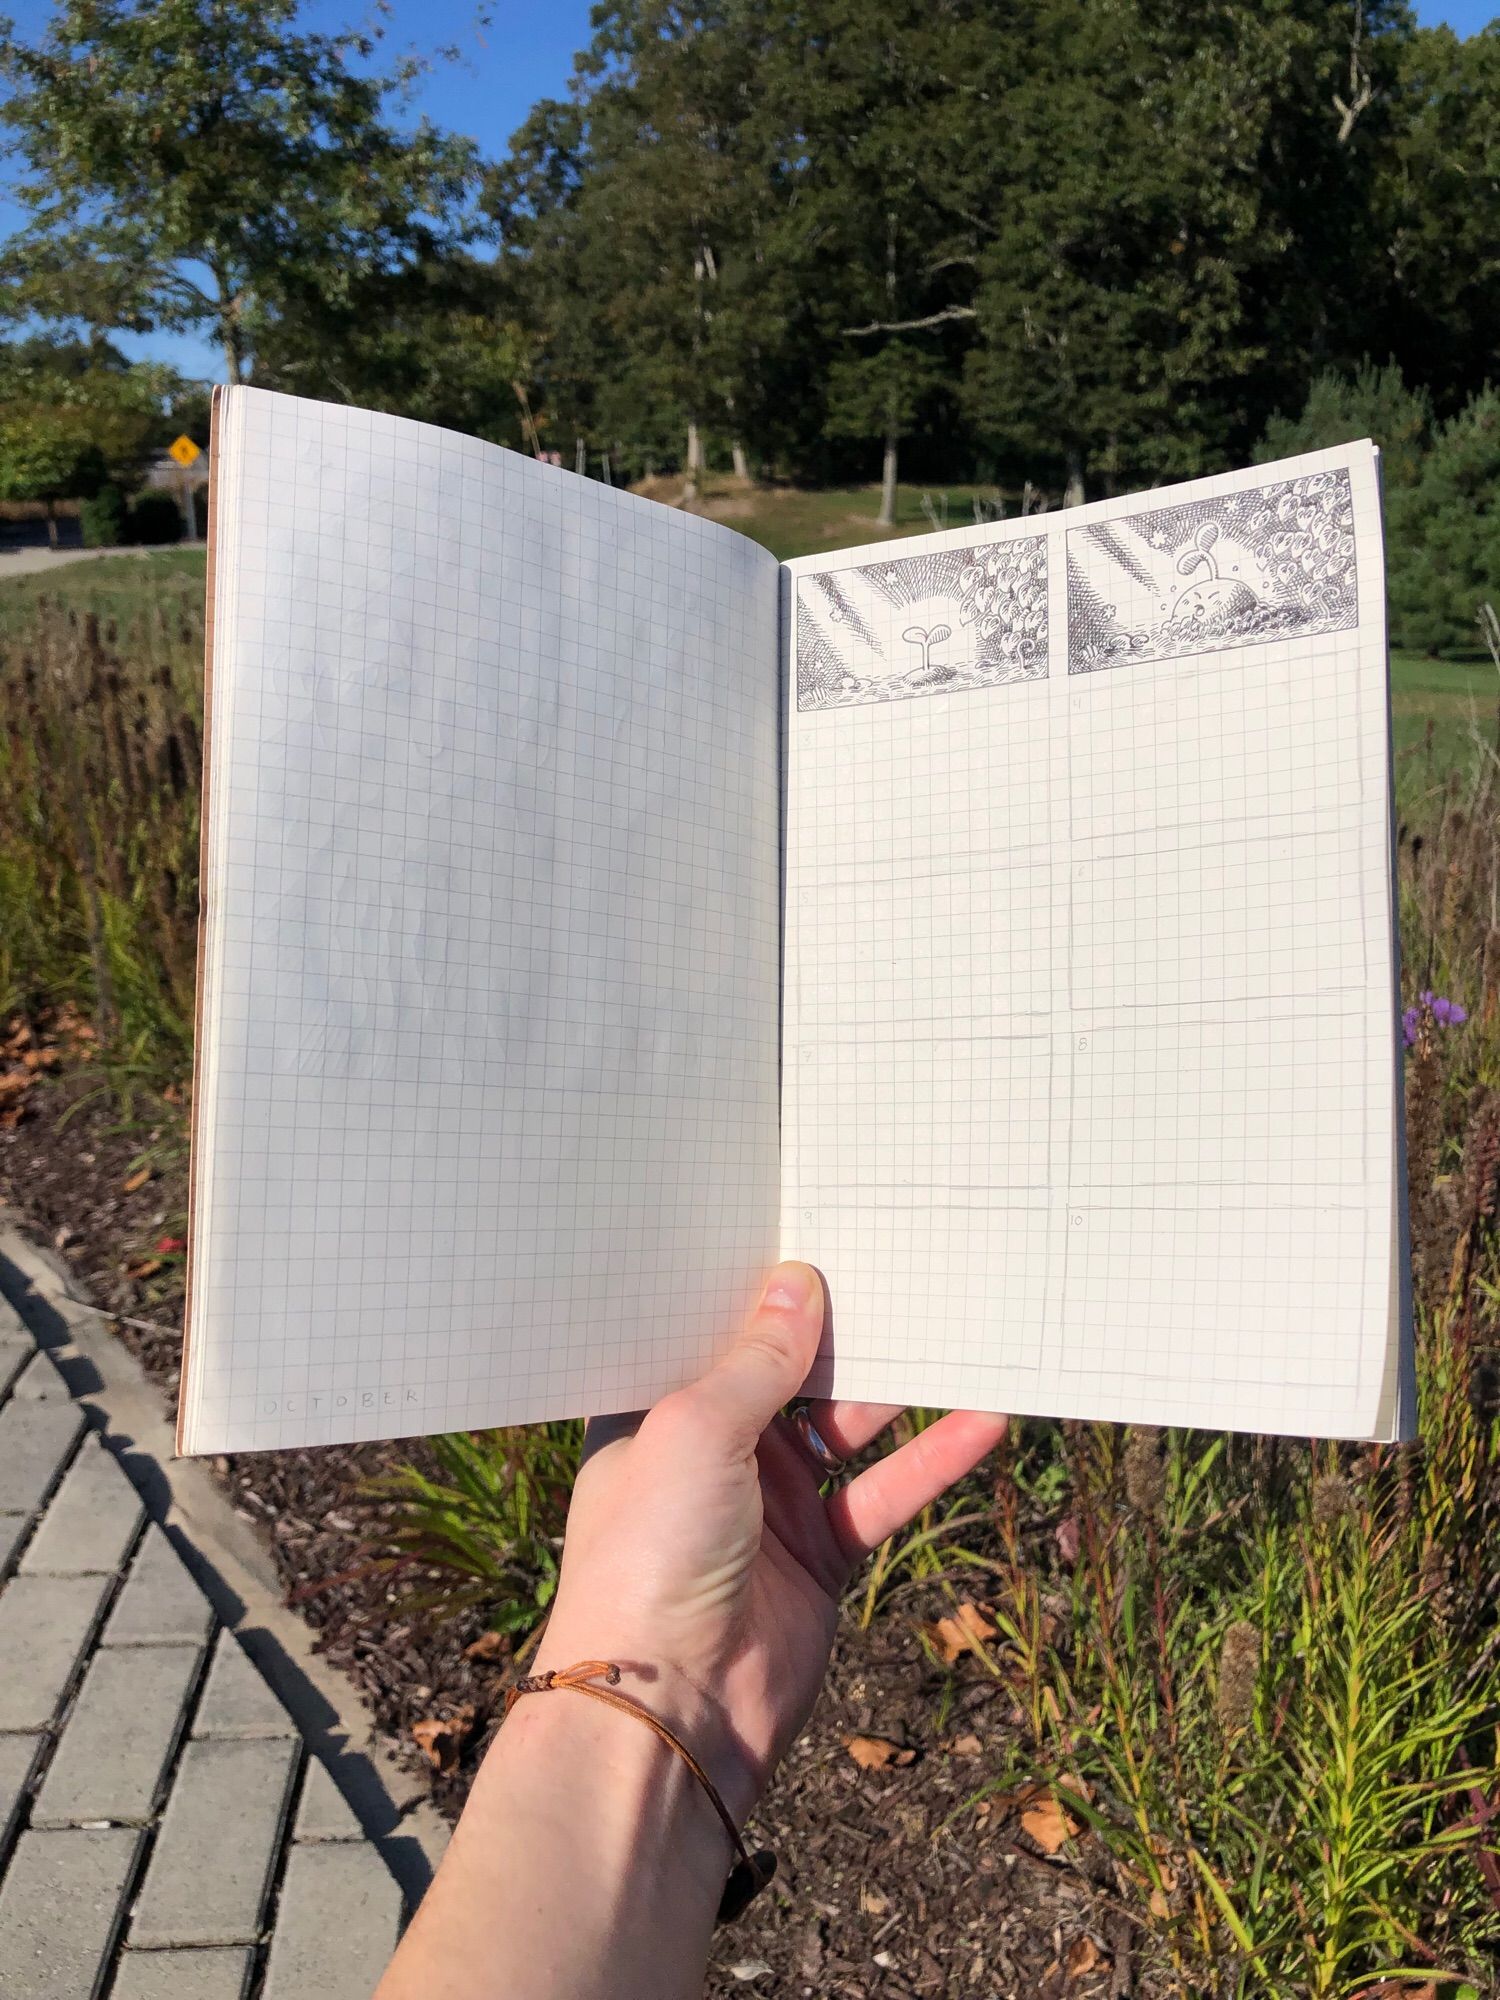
(587, 1862)
(627, 1805)
(699, 1718)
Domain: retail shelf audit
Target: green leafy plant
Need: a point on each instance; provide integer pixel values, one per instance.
(101, 519)
(484, 1525)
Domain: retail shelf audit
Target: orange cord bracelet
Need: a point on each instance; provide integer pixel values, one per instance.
(751, 1872)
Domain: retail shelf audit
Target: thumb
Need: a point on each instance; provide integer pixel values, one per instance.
(768, 1363)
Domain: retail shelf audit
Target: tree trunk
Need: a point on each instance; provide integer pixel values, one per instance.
(694, 459)
(1073, 497)
(741, 462)
(52, 524)
(886, 518)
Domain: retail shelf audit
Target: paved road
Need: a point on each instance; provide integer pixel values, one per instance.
(30, 562)
(165, 1832)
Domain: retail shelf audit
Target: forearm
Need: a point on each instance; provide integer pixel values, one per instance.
(588, 1865)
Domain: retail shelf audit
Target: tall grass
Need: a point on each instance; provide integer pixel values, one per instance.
(100, 749)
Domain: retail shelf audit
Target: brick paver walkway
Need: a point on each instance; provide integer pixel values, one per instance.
(165, 1834)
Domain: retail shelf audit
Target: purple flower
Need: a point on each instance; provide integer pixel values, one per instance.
(1451, 1013)
(1444, 1013)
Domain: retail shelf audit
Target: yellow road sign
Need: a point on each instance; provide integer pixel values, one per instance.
(184, 450)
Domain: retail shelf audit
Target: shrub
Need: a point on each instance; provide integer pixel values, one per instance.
(1444, 533)
(155, 518)
(102, 519)
(1373, 403)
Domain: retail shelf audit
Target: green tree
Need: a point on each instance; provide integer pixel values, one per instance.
(631, 210)
(206, 164)
(1179, 231)
(880, 395)
(1437, 205)
(48, 454)
(73, 414)
(437, 341)
(1445, 528)
(1371, 403)
(888, 162)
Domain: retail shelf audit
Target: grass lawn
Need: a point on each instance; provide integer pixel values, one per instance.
(1451, 697)
(119, 587)
(791, 521)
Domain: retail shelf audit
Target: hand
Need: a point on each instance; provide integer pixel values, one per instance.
(702, 1557)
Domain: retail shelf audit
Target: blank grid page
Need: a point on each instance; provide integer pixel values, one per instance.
(1089, 1029)
(487, 1121)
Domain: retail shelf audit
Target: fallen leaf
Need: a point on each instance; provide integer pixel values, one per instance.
(873, 1903)
(749, 1968)
(136, 1180)
(172, 1094)
(144, 1267)
(1084, 1957)
(441, 1738)
(489, 1646)
(1048, 1825)
(11, 1117)
(876, 1753)
(1065, 1534)
(1158, 1905)
(966, 1746)
(167, 1244)
(14, 1082)
(965, 1632)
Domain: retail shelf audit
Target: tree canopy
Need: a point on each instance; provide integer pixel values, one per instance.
(208, 164)
(1087, 245)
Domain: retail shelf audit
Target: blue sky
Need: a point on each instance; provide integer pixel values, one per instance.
(509, 53)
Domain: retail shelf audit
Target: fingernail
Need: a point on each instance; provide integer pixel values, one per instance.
(790, 1286)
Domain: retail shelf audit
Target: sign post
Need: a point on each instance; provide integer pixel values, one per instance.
(186, 454)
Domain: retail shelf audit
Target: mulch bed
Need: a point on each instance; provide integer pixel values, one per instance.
(890, 1884)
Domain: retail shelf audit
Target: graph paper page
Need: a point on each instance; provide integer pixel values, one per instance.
(487, 1098)
(1089, 1026)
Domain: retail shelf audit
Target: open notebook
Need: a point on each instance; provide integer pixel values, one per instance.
(597, 909)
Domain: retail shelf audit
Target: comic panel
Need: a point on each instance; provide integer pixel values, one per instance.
(928, 624)
(1234, 569)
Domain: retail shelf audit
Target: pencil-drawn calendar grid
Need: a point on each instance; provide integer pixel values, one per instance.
(1230, 1137)
(1270, 739)
(1169, 919)
(918, 1076)
(1221, 822)
(502, 902)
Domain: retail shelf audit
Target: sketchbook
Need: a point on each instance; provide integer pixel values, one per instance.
(596, 909)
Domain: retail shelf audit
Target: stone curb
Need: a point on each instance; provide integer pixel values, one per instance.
(228, 1562)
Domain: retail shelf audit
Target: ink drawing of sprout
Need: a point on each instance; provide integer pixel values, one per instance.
(921, 636)
(1216, 598)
